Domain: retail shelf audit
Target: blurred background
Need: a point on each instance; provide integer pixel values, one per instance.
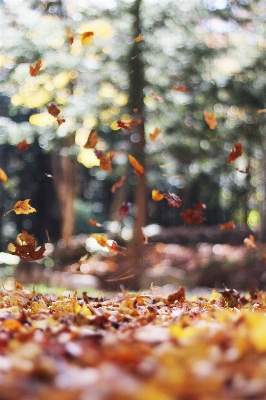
(190, 57)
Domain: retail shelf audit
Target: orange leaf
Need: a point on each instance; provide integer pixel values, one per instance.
(53, 110)
(22, 146)
(250, 242)
(35, 69)
(86, 38)
(138, 167)
(106, 162)
(123, 125)
(228, 225)
(12, 324)
(179, 88)
(158, 98)
(92, 140)
(23, 207)
(173, 200)
(3, 175)
(156, 195)
(100, 239)
(69, 35)
(192, 217)
(210, 120)
(118, 184)
(95, 223)
(261, 111)
(235, 152)
(26, 250)
(155, 134)
(139, 38)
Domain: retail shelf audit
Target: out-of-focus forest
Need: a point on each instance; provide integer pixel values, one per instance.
(160, 63)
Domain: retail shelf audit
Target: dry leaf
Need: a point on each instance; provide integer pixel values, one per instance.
(156, 195)
(95, 223)
(139, 170)
(92, 140)
(118, 184)
(139, 38)
(173, 200)
(106, 162)
(228, 225)
(86, 38)
(69, 35)
(3, 175)
(26, 250)
(53, 110)
(22, 146)
(179, 88)
(123, 125)
(124, 209)
(155, 134)
(235, 152)
(35, 69)
(193, 217)
(250, 242)
(210, 120)
(23, 207)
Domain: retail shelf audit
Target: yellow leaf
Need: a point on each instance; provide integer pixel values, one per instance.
(23, 207)
(156, 195)
(86, 38)
(3, 176)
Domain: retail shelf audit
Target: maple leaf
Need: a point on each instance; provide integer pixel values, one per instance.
(172, 199)
(179, 88)
(210, 120)
(22, 207)
(139, 38)
(3, 175)
(123, 125)
(228, 225)
(23, 145)
(95, 223)
(86, 38)
(35, 69)
(139, 170)
(124, 209)
(156, 195)
(118, 184)
(92, 140)
(250, 242)
(155, 134)
(26, 250)
(53, 110)
(69, 36)
(235, 152)
(158, 98)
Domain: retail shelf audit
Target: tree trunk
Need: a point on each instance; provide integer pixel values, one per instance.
(65, 179)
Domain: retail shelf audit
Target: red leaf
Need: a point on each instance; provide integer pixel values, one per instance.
(124, 209)
(173, 200)
(22, 146)
(235, 152)
(123, 125)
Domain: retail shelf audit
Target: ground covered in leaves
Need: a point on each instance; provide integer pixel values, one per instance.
(144, 346)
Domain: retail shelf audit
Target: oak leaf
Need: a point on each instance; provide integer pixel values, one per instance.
(3, 175)
(139, 170)
(23, 145)
(155, 134)
(35, 69)
(118, 184)
(235, 152)
(210, 120)
(92, 140)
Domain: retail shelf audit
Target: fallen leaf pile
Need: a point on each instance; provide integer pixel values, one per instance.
(133, 346)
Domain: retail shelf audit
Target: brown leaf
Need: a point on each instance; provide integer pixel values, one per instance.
(70, 36)
(53, 110)
(35, 69)
(92, 140)
(118, 184)
(23, 145)
(26, 250)
(173, 200)
(210, 120)
(193, 217)
(235, 152)
(106, 162)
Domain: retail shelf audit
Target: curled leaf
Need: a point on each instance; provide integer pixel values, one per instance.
(3, 175)
(210, 120)
(156, 195)
(139, 170)
(235, 152)
(118, 184)
(22, 146)
(173, 200)
(36, 68)
(92, 140)
(155, 134)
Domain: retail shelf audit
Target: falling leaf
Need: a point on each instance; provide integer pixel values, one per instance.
(144, 237)
(123, 125)
(99, 153)
(92, 140)
(139, 170)
(124, 209)
(173, 200)
(193, 217)
(60, 121)
(250, 242)
(156, 195)
(200, 207)
(179, 88)
(261, 111)
(118, 184)
(35, 69)
(100, 239)
(139, 38)
(26, 250)
(95, 223)
(22, 146)
(210, 120)
(106, 162)
(228, 225)
(86, 38)
(235, 152)
(53, 110)
(135, 121)
(158, 98)
(155, 134)
(69, 35)
(3, 175)
(22, 207)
